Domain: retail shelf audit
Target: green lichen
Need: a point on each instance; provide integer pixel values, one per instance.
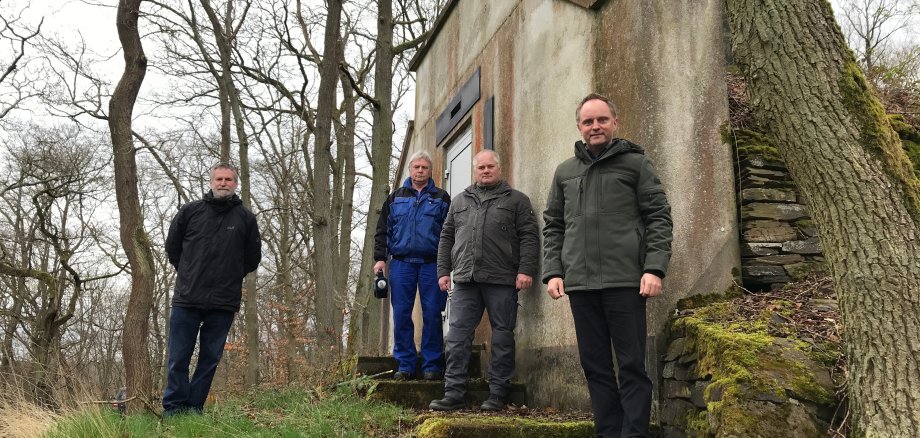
(701, 300)
(904, 129)
(696, 423)
(743, 360)
(750, 143)
(511, 427)
(913, 154)
(878, 137)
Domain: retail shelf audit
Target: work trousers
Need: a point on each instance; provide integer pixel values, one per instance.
(405, 279)
(467, 302)
(186, 326)
(618, 316)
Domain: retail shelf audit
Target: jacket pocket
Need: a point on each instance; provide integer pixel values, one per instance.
(617, 192)
(573, 194)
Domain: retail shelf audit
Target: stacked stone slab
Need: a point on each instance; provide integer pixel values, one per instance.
(779, 242)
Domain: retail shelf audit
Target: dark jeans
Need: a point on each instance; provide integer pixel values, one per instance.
(405, 279)
(616, 315)
(185, 326)
(466, 305)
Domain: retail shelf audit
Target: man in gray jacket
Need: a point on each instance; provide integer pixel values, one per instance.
(606, 244)
(490, 242)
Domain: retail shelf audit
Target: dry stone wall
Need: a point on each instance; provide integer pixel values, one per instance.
(779, 242)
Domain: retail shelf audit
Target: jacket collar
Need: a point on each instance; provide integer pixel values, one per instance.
(617, 146)
(428, 187)
(502, 189)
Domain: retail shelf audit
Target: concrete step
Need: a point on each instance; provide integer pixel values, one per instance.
(373, 365)
(417, 394)
(504, 427)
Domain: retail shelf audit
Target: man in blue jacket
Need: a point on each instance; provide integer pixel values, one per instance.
(213, 243)
(407, 233)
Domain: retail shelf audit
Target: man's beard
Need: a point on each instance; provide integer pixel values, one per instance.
(222, 193)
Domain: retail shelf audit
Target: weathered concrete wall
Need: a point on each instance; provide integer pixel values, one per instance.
(538, 58)
(553, 58)
(664, 64)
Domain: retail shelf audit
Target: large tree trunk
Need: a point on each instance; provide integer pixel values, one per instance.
(366, 334)
(134, 239)
(848, 162)
(328, 309)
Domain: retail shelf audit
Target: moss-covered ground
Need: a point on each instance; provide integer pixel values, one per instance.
(755, 349)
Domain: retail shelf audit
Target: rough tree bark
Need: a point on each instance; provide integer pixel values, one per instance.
(328, 312)
(848, 162)
(133, 237)
(366, 334)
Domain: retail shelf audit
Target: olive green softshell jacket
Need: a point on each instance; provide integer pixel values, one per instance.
(489, 240)
(607, 221)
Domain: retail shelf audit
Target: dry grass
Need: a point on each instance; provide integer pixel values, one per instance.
(19, 418)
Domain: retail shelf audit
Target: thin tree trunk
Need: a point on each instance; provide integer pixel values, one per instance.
(366, 335)
(345, 141)
(848, 162)
(134, 239)
(328, 312)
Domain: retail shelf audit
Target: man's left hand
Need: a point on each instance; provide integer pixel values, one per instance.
(524, 281)
(650, 285)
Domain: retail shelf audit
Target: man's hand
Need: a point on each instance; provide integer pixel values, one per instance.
(555, 288)
(444, 283)
(523, 281)
(380, 266)
(649, 285)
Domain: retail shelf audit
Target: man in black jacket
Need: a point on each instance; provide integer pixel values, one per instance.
(490, 242)
(213, 243)
(606, 244)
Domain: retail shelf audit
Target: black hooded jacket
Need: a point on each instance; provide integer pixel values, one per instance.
(213, 244)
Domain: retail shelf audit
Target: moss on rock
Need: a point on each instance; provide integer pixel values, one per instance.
(750, 143)
(753, 374)
(501, 427)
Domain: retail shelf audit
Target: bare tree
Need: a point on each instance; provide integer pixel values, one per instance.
(47, 210)
(15, 38)
(133, 237)
(871, 28)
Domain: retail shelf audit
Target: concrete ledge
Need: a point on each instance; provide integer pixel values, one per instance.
(503, 427)
(418, 394)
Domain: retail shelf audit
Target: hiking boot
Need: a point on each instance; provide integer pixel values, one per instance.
(494, 403)
(402, 376)
(433, 375)
(446, 404)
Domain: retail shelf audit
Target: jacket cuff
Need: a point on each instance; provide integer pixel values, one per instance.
(654, 272)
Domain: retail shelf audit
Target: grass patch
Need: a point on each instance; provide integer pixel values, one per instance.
(276, 413)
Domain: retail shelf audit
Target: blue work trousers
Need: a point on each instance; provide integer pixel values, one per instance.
(188, 325)
(405, 279)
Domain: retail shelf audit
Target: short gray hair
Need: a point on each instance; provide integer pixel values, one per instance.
(498, 159)
(228, 166)
(421, 155)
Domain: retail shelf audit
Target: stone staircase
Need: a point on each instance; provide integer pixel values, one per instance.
(417, 394)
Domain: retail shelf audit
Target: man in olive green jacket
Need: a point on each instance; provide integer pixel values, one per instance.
(606, 244)
(490, 240)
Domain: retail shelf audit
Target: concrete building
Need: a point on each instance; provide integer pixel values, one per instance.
(508, 74)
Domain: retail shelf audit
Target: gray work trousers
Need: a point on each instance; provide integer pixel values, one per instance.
(468, 300)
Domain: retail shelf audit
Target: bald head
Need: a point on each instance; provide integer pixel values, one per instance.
(487, 168)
